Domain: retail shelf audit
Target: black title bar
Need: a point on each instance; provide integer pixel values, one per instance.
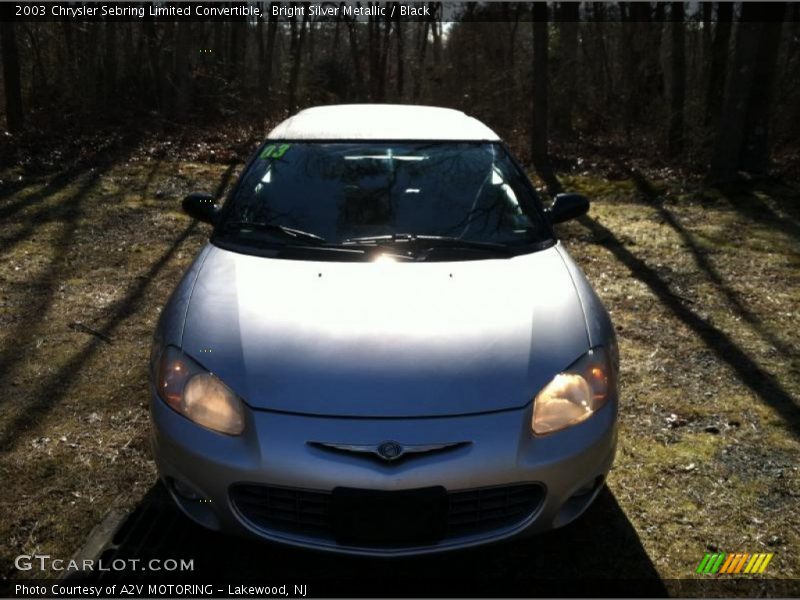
(492, 11)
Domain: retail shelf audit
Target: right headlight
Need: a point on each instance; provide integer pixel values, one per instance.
(197, 394)
(575, 394)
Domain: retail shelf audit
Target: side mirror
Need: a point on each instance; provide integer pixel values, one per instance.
(201, 206)
(566, 207)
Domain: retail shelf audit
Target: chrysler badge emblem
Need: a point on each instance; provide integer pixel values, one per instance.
(390, 450)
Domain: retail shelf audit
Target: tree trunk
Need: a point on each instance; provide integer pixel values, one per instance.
(540, 81)
(233, 50)
(677, 94)
(512, 36)
(219, 43)
(400, 58)
(132, 68)
(654, 34)
(181, 66)
(708, 14)
(272, 30)
(110, 62)
(372, 57)
(436, 29)
(719, 62)
(422, 43)
(11, 77)
(296, 51)
(153, 60)
(539, 134)
(335, 45)
(311, 40)
(730, 131)
(69, 45)
(261, 52)
(384, 57)
(568, 49)
(630, 83)
(94, 73)
(603, 76)
(38, 79)
(356, 57)
(754, 157)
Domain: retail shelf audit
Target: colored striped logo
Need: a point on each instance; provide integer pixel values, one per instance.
(741, 562)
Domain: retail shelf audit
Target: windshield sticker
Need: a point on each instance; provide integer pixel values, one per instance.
(274, 151)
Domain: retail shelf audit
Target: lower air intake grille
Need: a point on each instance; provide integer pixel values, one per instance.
(284, 509)
(484, 509)
(314, 514)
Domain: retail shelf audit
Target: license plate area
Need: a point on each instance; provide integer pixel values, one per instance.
(415, 516)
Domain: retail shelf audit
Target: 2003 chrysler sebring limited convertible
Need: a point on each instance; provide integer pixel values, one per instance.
(384, 349)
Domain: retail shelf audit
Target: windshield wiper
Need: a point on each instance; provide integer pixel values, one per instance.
(427, 241)
(274, 228)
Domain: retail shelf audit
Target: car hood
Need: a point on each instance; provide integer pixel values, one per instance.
(382, 339)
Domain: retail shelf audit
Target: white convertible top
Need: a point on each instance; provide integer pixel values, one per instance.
(382, 122)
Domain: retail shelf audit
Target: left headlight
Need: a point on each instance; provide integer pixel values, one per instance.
(575, 394)
(197, 394)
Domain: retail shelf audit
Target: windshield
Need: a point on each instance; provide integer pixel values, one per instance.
(350, 193)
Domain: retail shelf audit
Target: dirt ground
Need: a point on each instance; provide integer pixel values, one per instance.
(703, 286)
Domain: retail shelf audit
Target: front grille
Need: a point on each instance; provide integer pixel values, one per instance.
(284, 509)
(484, 509)
(311, 513)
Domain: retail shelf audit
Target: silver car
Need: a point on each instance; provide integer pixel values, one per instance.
(383, 349)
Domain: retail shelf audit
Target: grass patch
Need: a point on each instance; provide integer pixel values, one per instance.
(699, 293)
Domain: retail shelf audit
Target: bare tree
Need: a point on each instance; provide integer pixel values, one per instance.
(110, 62)
(742, 141)
(153, 62)
(11, 77)
(384, 58)
(754, 156)
(265, 69)
(400, 58)
(677, 94)
(719, 62)
(181, 71)
(422, 45)
(378, 30)
(261, 52)
(569, 15)
(355, 55)
(539, 133)
(436, 30)
(296, 56)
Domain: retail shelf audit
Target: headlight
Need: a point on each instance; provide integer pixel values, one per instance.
(575, 394)
(197, 394)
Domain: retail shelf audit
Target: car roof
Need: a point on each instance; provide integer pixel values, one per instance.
(382, 122)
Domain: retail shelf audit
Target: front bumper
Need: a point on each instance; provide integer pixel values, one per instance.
(569, 466)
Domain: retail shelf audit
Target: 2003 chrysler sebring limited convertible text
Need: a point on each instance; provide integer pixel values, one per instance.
(384, 349)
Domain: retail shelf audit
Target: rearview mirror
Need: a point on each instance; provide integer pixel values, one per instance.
(201, 206)
(566, 207)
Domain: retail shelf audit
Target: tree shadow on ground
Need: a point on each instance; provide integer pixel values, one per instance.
(744, 199)
(53, 186)
(764, 385)
(705, 265)
(68, 212)
(601, 545)
(90, 171)
(55, 386)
